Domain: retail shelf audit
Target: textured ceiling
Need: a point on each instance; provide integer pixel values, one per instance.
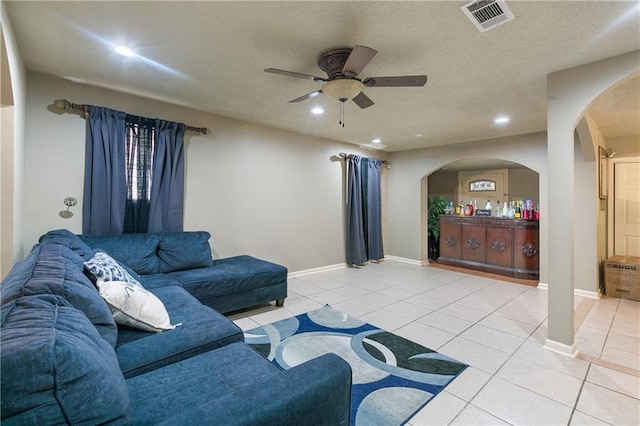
(210, 56)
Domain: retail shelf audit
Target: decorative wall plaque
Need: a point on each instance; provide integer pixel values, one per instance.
(482, 185)
(450, 241)
(529, 250)
(498, 246)
(473, 243)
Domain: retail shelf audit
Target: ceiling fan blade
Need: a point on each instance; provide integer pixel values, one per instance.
(294, 74)
(307, 96)
(362, 100)
(359, 57)
(404, 80)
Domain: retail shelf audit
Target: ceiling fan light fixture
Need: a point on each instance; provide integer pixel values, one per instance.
(342, 89)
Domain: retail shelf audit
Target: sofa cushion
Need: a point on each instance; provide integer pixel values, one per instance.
(20, 273)
(68, 239)
(237, 274)
(137, 251)
(179, 251)
(134, 306)
(55, 269)
(203, 329)
(103, 267)
(56, 369)
(157, 280)
(196, 381)
(316, 392)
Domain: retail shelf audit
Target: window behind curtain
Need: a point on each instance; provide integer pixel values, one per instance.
(139, 150)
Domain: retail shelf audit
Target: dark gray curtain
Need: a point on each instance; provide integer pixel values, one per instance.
(372, 208)
(364, 225)
(356, 247)
(166, 210)
(105, 188)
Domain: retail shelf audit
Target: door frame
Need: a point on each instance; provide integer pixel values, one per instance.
(610, 198)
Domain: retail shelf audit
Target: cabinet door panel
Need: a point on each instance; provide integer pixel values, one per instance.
(474, 243)
(500, 246)
(450, 240)
(525, 249)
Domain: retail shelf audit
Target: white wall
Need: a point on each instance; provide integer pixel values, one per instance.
(12, 158)
(624, 146)
(260, 191)
(407, 220)
(586, 204)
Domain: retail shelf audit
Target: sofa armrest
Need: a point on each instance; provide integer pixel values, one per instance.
(317, 392)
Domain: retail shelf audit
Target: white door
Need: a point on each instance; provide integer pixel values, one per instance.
(626, 207)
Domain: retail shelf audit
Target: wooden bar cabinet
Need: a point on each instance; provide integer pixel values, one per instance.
(506, 247)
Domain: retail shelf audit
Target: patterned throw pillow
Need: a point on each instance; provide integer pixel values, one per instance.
(105, 268)
(135, 306)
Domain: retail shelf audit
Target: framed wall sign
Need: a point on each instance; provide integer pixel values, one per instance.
(602, 172)
(482, 185)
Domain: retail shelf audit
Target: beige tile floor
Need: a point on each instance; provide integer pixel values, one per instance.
(496, 327)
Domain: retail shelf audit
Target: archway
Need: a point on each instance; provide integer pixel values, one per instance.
(570, 93)
(444, 181)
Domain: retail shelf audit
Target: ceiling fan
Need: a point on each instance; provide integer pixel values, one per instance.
(342, 83)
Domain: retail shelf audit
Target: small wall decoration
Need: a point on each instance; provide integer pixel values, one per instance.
(482, 185)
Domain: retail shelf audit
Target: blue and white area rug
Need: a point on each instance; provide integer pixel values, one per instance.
(393, 378)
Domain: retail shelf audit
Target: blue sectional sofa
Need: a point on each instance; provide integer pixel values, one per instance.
(184, 259)
(64, 359)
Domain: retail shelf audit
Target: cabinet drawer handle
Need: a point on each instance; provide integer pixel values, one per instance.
(450, 241)
(498, 246)
(529, 250)
(473, 243)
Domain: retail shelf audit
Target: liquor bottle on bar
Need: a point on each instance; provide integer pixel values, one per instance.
(518, 212)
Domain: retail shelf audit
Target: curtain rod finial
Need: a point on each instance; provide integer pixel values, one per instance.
(62, 103)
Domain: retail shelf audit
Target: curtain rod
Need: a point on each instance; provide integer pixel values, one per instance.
(65, 104)
(344, 156)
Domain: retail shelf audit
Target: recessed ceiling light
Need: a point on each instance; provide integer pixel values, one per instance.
(501, 120)
(317, 111)
(377, 140)
(124, 51)
(418, 135)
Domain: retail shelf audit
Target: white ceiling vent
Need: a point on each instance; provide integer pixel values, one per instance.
(487, 14)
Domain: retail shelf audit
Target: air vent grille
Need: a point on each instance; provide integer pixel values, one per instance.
(487, 14)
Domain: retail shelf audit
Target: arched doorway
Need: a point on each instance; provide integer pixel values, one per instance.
(570, 93)
(457, 183)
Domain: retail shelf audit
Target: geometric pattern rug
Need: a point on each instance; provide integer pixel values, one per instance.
(393, 378)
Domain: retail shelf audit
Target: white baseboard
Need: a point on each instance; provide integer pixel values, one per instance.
(316, 270)
(561, 348)
(576, 291)
(407, 260)
(586, 293)
(327, 268)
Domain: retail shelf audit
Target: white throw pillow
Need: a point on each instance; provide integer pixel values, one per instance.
(135, 306)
